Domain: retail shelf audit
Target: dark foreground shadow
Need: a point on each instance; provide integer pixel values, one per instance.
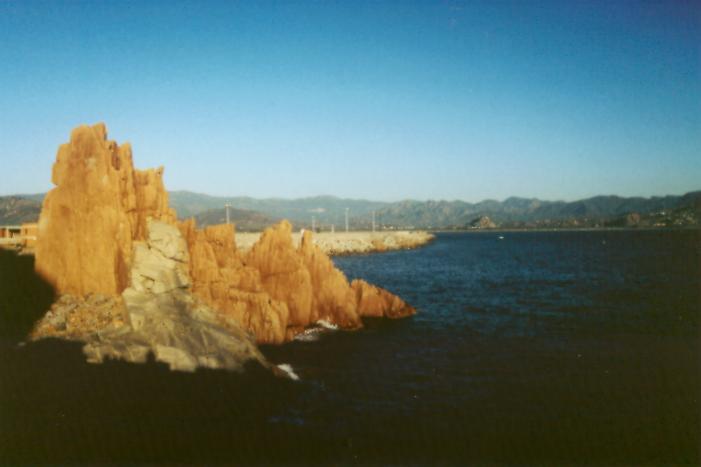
(55, 408)
(24, 296)
(58, 409)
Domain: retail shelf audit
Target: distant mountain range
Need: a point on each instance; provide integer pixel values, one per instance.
(15, 210)
(255, 214)
(325, 209)
(514, 212)
(245, 220)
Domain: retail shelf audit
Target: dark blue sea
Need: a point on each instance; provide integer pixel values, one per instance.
(527, 348)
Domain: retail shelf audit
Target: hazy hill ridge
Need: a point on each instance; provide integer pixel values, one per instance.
(531, 212)
(17, 209)
(245, 220)
(253, 214)
(326, 209)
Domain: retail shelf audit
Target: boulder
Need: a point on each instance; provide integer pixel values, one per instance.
(160, 264)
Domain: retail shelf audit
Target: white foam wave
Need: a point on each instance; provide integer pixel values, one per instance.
(327, 325)
(312, 334)
(287, 368)
(308, 335)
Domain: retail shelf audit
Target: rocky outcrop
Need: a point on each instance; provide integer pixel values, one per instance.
(156, 315)
(99, 206)
(221, 279)
(283, 274)
(376, 302)
(135, 282)
(276, 291)
(333, 301)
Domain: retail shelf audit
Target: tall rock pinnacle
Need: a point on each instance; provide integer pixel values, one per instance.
(99, 206)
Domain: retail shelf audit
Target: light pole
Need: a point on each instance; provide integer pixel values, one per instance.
(346, 220)
(227, 206)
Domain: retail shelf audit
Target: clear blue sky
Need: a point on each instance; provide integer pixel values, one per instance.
(377, 100)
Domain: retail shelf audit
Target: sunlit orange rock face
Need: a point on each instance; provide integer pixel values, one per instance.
(97, 209)
(91, 221)
(276, 290)
(376, 302)
(220, 278)
(332, 297)
(283, 273)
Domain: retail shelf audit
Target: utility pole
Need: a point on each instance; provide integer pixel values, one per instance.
(313, 224)
(346, 219)
(373, 221)
(227, 206)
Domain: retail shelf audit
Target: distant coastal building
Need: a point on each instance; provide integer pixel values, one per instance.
(18, 236)
(10, 231)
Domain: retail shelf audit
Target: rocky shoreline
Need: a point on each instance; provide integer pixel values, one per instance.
(132, 281)
(349, 243)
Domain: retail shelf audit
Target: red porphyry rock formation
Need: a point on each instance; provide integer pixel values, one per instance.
(97, 209)
(220, 278)
(283, 273)
(376, 302)
(332, 297)
(101, 206)
(276, 290)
